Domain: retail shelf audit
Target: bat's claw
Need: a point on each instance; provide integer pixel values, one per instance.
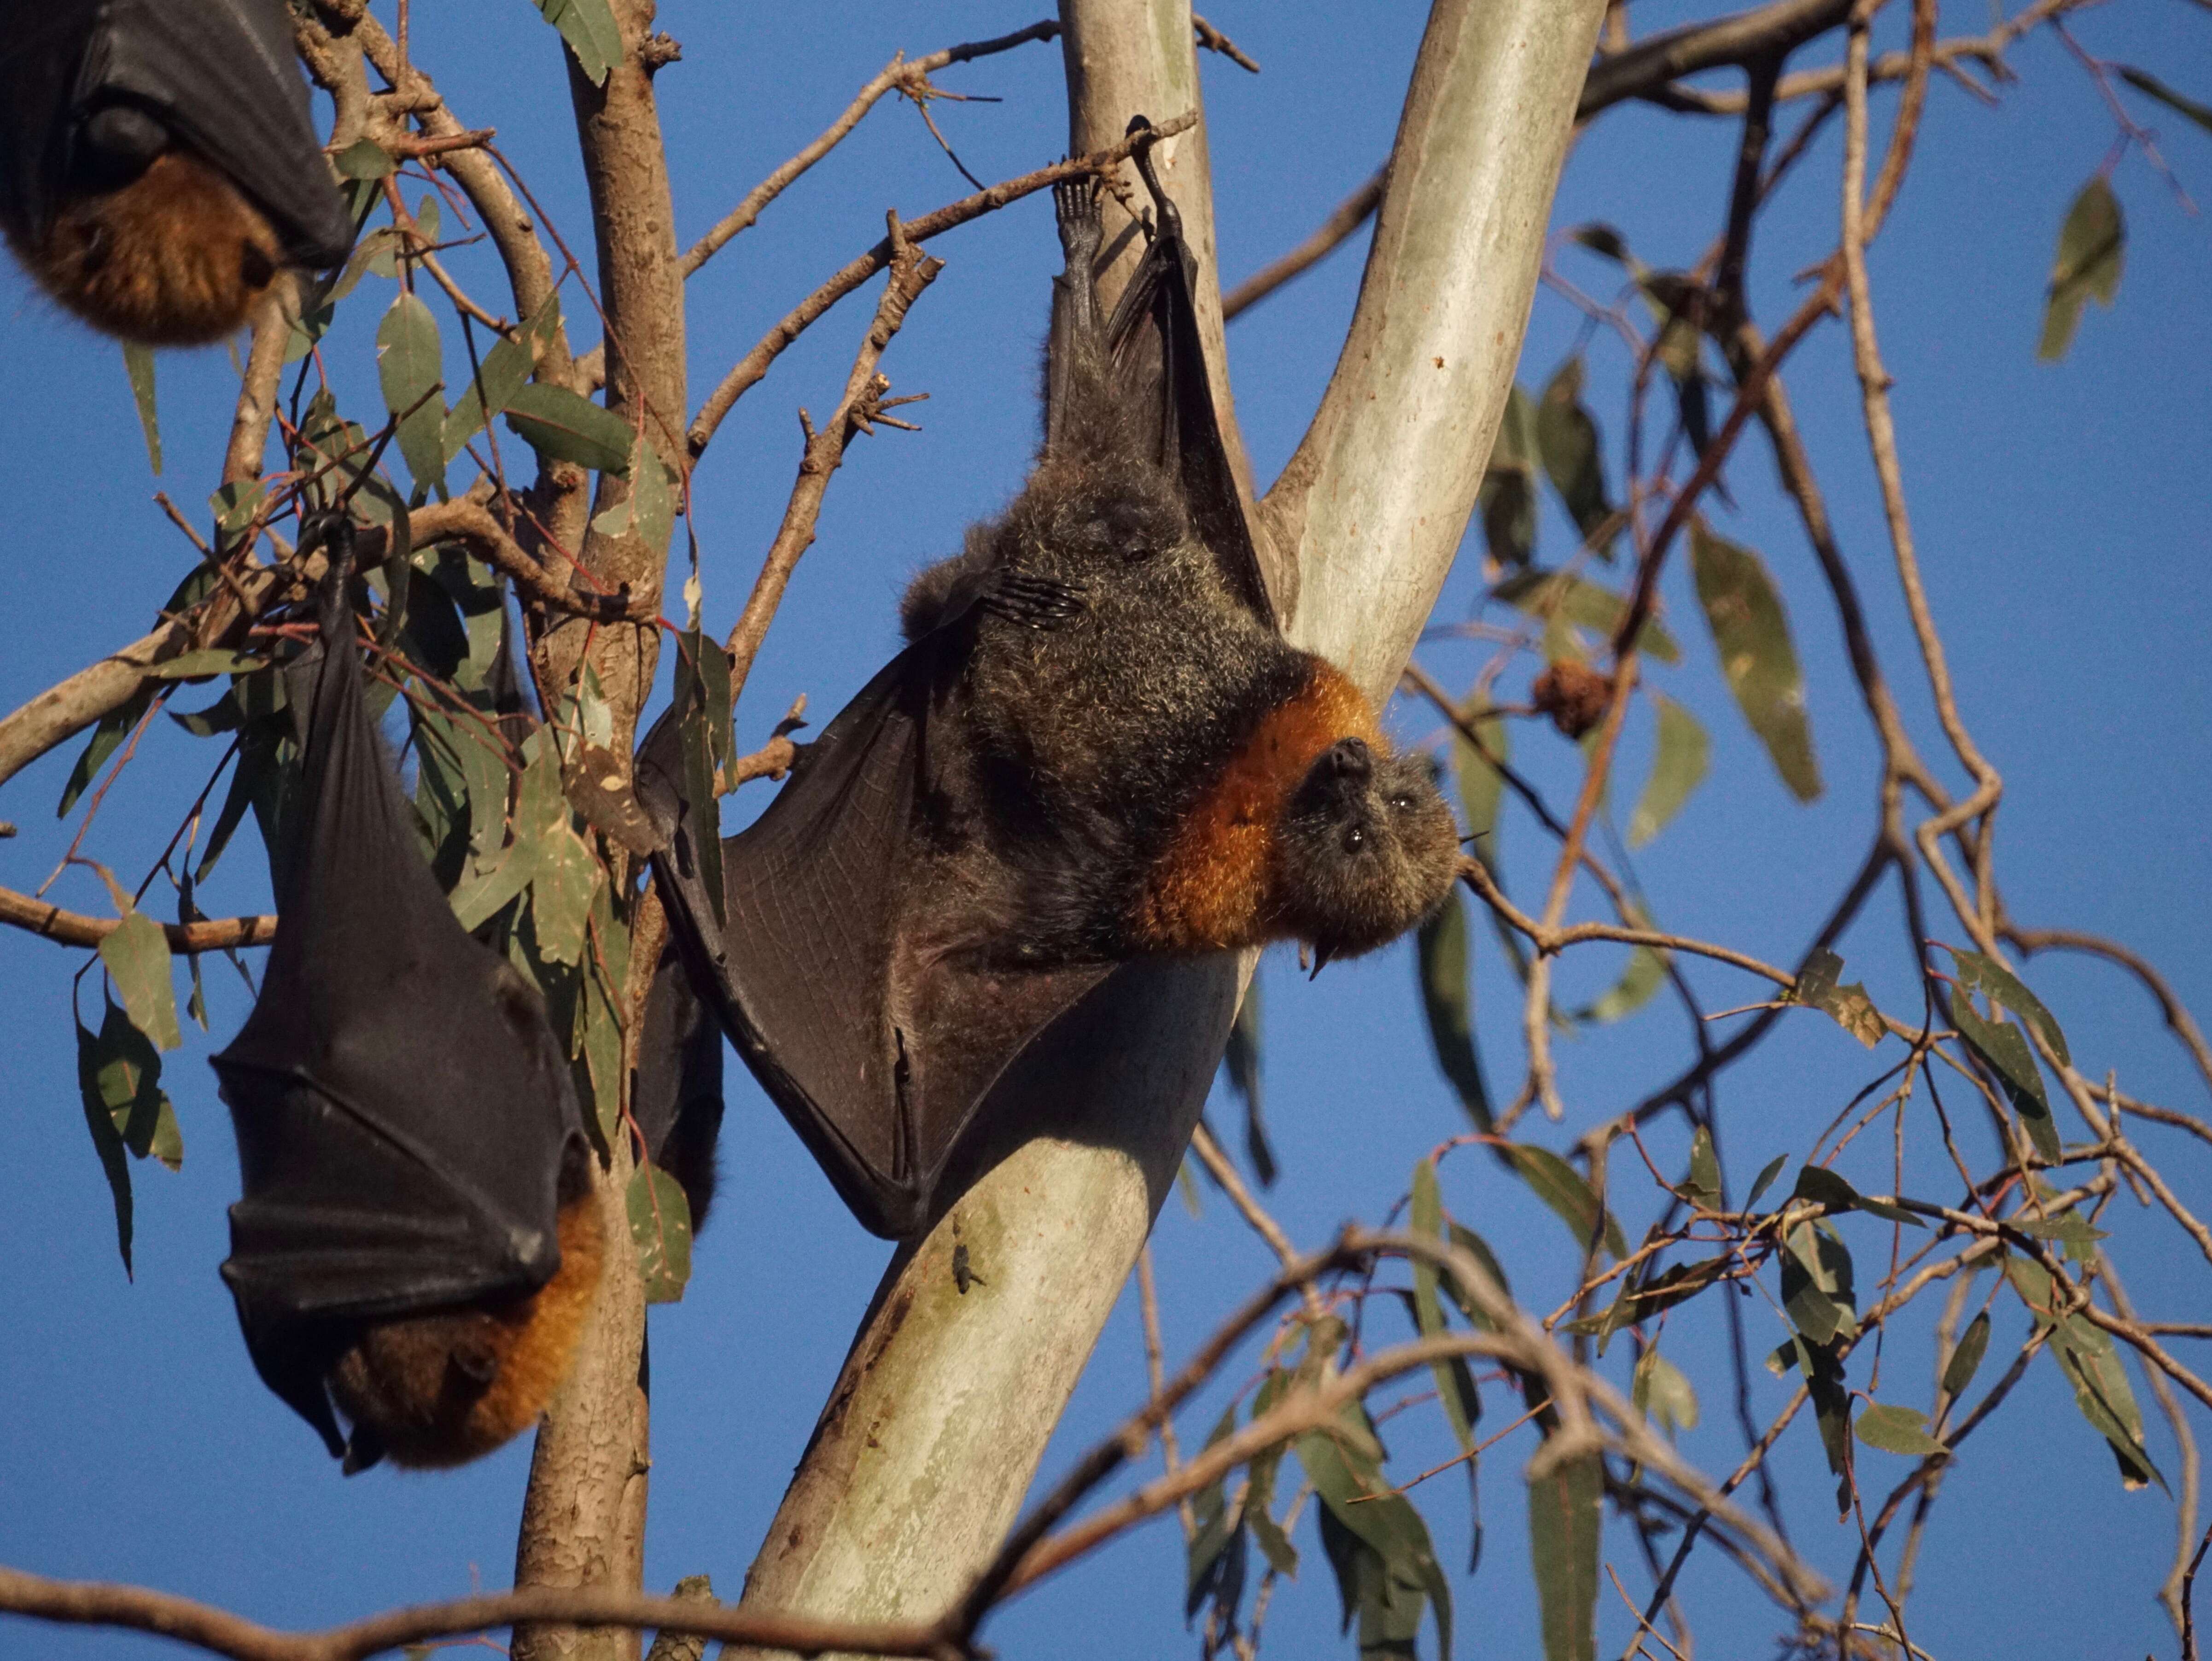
(1034, 602)
(1075, 209)
(1170, 222)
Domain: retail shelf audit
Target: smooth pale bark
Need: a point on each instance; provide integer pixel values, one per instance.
(936, 1426)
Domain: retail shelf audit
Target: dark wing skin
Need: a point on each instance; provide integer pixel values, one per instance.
(403, 1110)
(877, 1050)
(216, 76)
(1157, 363)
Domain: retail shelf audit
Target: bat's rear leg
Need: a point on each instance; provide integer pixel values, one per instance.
(1075, 211)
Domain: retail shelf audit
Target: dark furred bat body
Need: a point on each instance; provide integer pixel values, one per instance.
(157, 164)
(418, 1243)
(1096, 746)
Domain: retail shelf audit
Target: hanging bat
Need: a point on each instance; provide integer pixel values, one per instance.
(418, 1245)
(1096, 746)
(157, 164)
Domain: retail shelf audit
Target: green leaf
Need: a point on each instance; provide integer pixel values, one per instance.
(1507, 502)
(1242, 1059)
(1211, 1567)
(1568, 436)
(589, 28)
(1643, 1300)
(1663, 1394)
(1897, 1430)
(1455, 1383)
(1816, 1284)
(2143, 82)
(1750, 633)
(1570, 599)
(1560, 1186)
(2004, 1047)
(1824, 1186)
(203, 665)
(1563, 1522)
(704, 730)
(1765, 1180)
(1849, 1006)
(500, 374)
(1958, 1371)
(138, 364)
(559, 424)
(2092, 246)
(1986, 974)
(107, 738)
(660, 1229)
(1601, 238)
(106, 1136)
(1447, 1001)
(561, 897)
(1641, 977)
(1478, 1249)
(125, 1071)
(1705, 1170)
(1389, 1590)
(364, 159)
(410, 363)
(1678, 767)
(136, 955)
(1259, 1500)
(1823, 1368)
(649, 510)
(2085, 1355)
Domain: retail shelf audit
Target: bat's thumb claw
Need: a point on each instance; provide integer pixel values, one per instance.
(1138, 124)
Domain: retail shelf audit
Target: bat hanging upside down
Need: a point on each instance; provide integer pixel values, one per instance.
(418, 1245)
(157, 164)
(1096, 747)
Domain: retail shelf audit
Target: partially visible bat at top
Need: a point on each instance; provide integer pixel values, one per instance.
(1096, 746)
(418, 1245)
(157, 164)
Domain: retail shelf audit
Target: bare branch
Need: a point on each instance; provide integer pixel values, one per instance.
(754, 364)
(75, 929)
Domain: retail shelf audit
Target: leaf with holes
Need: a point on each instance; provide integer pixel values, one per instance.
(660, 1229)
(1750, 633)
(2092, 246)
(410, 364)
(561, 894)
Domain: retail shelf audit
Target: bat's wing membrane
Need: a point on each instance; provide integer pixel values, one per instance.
(876, 1049)
(402, 1108)
(1158, 364)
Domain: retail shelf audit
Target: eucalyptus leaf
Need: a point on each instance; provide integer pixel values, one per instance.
(1447, 1001)
(590, 29)
(1750, 633)
(1563, 1522)
(2092, 247)
(138, 365)
(567, 427)
(1897, 1430)
(1573, 453)
(137, 956)
(1566, 598)
(2004, 1047)
(409, 365)
(1973, 1344)
(660, 1230)
(1678, 762)
(1560, 1186)
(107, 1138)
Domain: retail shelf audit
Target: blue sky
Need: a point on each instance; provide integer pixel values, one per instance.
(2061, 511)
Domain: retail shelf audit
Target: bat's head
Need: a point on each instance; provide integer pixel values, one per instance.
(1365, 849)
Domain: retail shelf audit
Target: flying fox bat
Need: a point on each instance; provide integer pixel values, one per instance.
(418, 1246)
(157, 164)
(1096, 746)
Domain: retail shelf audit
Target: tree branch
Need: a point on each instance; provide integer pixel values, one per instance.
(75, 929)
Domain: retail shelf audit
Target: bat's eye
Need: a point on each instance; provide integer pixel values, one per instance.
(1403, 804)
(1354, 837)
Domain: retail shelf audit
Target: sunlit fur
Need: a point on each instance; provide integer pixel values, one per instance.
(434, 1390)
(175, 257)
